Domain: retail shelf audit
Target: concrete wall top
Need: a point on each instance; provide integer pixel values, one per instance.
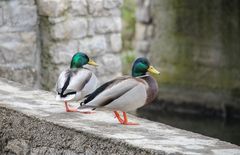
(33, 122)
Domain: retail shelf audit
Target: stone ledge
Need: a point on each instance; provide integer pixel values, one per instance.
(33, 122)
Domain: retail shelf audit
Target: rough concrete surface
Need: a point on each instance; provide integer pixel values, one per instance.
(32, 122)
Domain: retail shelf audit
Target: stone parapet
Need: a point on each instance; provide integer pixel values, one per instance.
(32, 122)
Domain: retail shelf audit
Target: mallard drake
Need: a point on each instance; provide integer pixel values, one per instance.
(125, 93)
(76, 82)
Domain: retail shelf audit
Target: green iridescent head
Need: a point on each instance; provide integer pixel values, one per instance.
(141, 66)
(80, 59)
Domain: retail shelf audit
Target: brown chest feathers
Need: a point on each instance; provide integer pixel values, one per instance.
(152, 90)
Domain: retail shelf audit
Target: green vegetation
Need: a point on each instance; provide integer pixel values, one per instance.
(127, 60)
(128, 16)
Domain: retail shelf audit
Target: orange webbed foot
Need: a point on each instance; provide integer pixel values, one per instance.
(130, 123)
(71, 110)
(123, 121)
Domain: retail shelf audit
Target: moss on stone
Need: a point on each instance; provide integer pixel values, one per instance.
(196, 44)
(47, 67)
(129, 20)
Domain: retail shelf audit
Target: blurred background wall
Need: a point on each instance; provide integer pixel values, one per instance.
(196, 44)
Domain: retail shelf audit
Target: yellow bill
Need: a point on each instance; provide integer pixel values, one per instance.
(151, 69)
(91, 62)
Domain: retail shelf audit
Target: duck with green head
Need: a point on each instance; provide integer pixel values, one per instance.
(76, 82)
(126, 93)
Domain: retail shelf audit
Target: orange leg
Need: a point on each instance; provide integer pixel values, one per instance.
(69, 109)
(118, 117)
(125, 122)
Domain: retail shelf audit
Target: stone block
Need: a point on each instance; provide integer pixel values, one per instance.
(140, 31)
(109, 64)
(106, 25)
(6, 15)
(26, 75)
(143, 11)
(62, 52)
(23, 16)
(52, 8)
(149, 32)
(17, 18)
(91, 27)
(116, 42)
(78, 7)
(143, 31)
(109, 4)
(25, 2)
(94, 46)
(17, 2)
(142, 46)
(96, 9)
(1, 16)
(55, 20)
(73, 28)
(18, 47)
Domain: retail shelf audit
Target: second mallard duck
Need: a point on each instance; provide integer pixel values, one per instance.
(126, 93)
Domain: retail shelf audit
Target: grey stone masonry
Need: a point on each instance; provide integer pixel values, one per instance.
(38, 39)
(19, 41)
(144, 27)
(90, 26)
(32, 122)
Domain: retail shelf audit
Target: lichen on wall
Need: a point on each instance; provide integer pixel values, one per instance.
(197, 45)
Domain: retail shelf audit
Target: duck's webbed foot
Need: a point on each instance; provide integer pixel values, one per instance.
(124, 121)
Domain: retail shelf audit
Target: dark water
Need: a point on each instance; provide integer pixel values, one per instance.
(226, 130)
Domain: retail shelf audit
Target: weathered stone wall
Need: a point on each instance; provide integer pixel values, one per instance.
(39, 39)
(19, 41)
(144, 27)
(90, 26)
(197, 48)
(32, 122)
